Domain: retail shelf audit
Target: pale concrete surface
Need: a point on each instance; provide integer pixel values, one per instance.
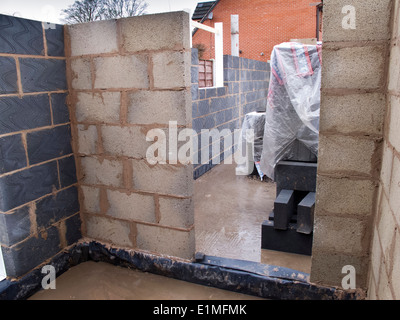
(229, 211)
(103, 281)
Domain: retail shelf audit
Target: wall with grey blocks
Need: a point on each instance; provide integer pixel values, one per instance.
(353, 105)
(39, 208)
(129, 76)
(245, 90)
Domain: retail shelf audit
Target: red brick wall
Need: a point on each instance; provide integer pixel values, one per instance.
(262, 24)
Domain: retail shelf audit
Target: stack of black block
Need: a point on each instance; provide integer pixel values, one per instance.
(290, 225)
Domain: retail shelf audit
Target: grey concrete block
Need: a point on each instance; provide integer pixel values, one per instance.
(371, 17)
(122, 72)
(98, 107)
(355, 67)
(93, 38)
(156, 32)
(172, 69)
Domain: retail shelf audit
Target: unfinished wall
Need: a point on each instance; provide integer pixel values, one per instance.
(128, 76)
(245, 90)
(39, 208)
(384, 275)
(350, 150)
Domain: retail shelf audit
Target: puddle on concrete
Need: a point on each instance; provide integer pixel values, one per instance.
(103, 281)
(229, 211)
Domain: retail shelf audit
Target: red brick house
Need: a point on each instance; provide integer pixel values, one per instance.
(262, 24)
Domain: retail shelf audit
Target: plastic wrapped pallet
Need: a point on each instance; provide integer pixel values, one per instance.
(254, 121)
(292, 117)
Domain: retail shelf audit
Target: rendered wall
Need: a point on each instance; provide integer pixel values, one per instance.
(39, 208)
(351, 133)
(126, 77)
(245, 90)
(384, 275)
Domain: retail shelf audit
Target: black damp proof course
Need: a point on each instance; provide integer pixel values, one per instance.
(266, 281)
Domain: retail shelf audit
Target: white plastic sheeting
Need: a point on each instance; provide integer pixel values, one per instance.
(251, 139)
(2, 267)
(293, 106)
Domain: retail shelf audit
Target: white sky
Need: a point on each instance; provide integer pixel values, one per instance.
(50, 10)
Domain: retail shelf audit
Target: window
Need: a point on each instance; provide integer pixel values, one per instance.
(206, 73)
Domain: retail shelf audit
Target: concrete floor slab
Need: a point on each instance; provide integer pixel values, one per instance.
(103, 281)
(229, 212)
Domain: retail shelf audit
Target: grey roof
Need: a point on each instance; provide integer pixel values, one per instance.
(202, 9)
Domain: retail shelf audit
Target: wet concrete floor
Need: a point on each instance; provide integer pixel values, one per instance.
(229, 211)
(103, 281)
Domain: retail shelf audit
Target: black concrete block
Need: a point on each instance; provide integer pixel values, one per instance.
(221, 91)
(28, 254)
(283, 209)
(293, 175)
(22, 114)
(211, 92)
(293, 219)
(55, 40)
(38, 75)
(194, 74)
(21, 36)
(12, 153)
(227, 61)
(235, 62)
(204, 107)
(8, 75)
(14, 226)
(73, 230)
(286, 241)
(202, 94)
(53, 208)
(218, 104)
(27, 185)
(220, 118)
(194, 91)
(67, 171)
(49, 144)
(305, 214)
(243, 63)
(60, 108)
(195, 56)
(231, 75)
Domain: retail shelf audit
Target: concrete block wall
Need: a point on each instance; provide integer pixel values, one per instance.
(384, 275)
(353, 102)
(126, 77)
(39, 207)
(245, 90)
